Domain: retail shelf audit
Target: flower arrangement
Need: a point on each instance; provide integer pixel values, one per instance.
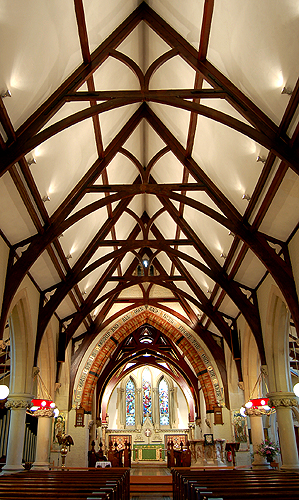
(267, 449)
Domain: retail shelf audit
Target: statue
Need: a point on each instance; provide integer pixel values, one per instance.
(64, 440)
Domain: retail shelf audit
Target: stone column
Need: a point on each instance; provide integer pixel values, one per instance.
(171, 407)
(139, 409)
(18, 404)
(283, 402)
(43, 442)
(257, 436)
(155, 404)
(121, 407)
(104, 428)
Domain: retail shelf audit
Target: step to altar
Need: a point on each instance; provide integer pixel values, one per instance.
(147, 485)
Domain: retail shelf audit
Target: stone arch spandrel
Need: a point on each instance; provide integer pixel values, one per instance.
(276, 342)
(22, 345)
(172, 328)
(251, 364)
(47, 360)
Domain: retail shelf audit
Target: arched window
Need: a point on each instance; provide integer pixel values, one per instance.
(164, 402)
(146, 394)
(130, 403)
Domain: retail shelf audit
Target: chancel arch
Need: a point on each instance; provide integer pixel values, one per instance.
(188, 346)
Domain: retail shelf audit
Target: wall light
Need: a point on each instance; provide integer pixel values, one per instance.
(286, 90)
(31, 161)
(246, 197)
(69, 256)
(46, 198)
(7, 93)
(261, 159)
(223, 255)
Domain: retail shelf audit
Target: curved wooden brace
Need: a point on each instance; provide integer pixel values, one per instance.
(157, 64)
(39, 243)
(182, 367)
(134, 160)
(154, 160)
(281, 148)
(130, 64)
(153, 218)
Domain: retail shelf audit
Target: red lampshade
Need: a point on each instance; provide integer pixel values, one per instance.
(42, 403)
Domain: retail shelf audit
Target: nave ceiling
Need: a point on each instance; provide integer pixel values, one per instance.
(132, 135)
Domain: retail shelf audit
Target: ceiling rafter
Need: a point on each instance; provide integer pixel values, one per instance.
(278, 143)
(48, 109)
(239, 101)
(249, 311)
(277, 267)
(18, 271)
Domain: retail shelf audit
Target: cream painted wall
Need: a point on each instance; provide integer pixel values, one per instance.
(294, 256)
(182, 422)
(113, 410)
(4, 253)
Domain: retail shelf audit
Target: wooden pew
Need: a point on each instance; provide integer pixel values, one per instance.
(234, 484)
(103, 484)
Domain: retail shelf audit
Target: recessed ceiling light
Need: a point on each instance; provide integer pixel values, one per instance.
(261, 159)
(246, 197)
(286, 90)
(7, 93)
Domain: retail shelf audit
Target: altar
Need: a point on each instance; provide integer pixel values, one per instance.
(205, 453)
(148, 452)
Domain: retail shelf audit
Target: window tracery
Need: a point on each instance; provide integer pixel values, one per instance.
(130, 403)
(164, 402)
(147, 394)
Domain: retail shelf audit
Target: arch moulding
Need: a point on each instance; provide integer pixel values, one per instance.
(95, 359)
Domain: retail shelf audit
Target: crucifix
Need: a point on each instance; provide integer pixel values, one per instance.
(148, 432)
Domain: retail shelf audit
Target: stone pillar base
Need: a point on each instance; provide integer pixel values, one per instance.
(289, 468)
(40, 466)
(260, 466)
(11, 469)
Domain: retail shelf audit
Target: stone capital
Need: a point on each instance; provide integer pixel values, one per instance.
(44, 412)
(282, 399)
(256, 412)
(18, 401)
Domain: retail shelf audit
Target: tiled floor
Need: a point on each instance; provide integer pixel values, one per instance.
(150, 469)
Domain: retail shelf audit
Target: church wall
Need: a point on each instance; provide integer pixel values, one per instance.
(182, 422)
(4, 253)
(294, 256)
(113, 410)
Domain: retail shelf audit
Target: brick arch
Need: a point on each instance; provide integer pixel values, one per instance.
(171, 328)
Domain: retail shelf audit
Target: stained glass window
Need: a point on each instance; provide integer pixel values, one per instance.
(130, 403)
(147, 394)
(163, 403)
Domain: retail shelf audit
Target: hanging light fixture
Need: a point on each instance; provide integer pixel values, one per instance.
(44, 406)
(257, 406)
(4, 389)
